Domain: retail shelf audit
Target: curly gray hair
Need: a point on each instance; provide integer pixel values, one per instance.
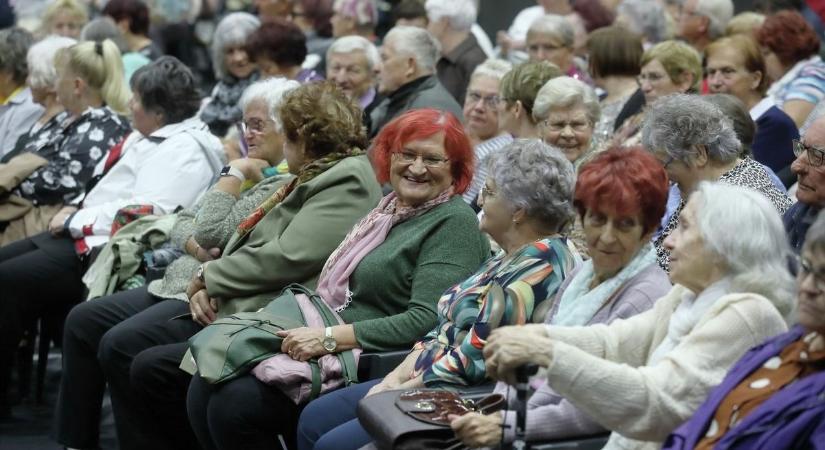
(678, 123)
(42, 73)
(14, 45)
(646, 18)
(556, 26)
(536, 177)
(271, 91)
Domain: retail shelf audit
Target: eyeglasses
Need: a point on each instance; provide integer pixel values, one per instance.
(407, 157)
(252, 126)
(490, 101)
(816, 155)
(806, 269)
(670, 159)
(576, 125)
(651, 78)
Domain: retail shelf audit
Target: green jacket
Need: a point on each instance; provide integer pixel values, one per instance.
(293, 241)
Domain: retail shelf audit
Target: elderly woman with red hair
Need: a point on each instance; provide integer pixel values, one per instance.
(527, 201)
(620, 197)
(383, 280)
(791, 50)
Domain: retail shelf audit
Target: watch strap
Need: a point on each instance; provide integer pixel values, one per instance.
(229, 171)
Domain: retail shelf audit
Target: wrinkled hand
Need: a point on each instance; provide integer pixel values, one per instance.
(387, 384)
(252, 168)
(203, 308)
(477, 430)
(509, 348)
(303, 344)
(56, 224)
(195, 285)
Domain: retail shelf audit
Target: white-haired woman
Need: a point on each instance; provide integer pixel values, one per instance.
(481, 118)
(696, 142)
(352, 63)
(643, 376)
(246, 184)
(567, 111)
(41, 80)
(552, 38)
(234, 70)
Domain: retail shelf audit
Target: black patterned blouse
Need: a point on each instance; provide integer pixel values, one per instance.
(748, 173)
(73, 150)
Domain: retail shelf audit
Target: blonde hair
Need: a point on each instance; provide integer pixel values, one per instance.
(744, 23)
(73, 7)
(677, 58)
(100, 65)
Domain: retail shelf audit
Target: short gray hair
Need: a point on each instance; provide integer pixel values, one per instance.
(649, 19)
(718, 12)
(676, 124)
(349, 44)
(565, 92)
(42, 73)
(536, 177)
(14, 45)
(461, 14)
(102, 28)
(492, 68)
(744, 230)
(271, 91)
(416, 42)
(556, 26)
(231, 30)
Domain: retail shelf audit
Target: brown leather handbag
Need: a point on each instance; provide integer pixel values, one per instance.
(419, 418)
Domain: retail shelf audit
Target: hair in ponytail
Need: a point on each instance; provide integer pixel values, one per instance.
(101, 66)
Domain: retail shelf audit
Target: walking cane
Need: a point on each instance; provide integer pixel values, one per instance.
(523, 375)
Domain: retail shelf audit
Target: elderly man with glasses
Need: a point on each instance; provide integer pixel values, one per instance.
(809, 166)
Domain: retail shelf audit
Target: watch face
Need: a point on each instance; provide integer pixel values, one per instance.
(330, 344)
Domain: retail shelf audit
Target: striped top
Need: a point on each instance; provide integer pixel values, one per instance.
(482, 152)
(452, 352)
(805, 81)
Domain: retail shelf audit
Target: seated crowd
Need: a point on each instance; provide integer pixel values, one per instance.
(623, 193)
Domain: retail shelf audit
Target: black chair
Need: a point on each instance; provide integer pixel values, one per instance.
(377, 365)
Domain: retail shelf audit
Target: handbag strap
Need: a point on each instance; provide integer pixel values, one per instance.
(349, 369)
(316, 378)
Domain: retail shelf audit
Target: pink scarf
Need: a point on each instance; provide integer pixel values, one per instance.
(369, 233)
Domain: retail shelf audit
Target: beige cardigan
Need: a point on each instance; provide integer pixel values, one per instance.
(601, 368)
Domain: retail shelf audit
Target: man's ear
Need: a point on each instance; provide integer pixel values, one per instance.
(412, 68)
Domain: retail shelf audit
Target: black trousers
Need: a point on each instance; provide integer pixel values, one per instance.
(38, 276)
(104, 340)
(242, 414)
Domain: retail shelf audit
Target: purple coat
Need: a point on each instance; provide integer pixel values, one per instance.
(792, 418)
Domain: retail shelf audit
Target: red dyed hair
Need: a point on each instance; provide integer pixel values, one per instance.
(628, 180)
(420, 124)
(789, 36)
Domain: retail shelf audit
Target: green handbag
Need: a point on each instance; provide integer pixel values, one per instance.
(232, 346)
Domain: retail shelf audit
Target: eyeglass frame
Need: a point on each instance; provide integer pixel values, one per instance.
(409, 158)
(244, 128)
(489, 101)
(642, 77)
(804, 269)
(487, 192)
(576, 129)
(814, 159)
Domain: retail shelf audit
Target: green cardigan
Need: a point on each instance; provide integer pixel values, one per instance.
(396, 287)
(292, 242)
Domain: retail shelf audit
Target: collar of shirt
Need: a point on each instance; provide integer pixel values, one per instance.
(11, 96)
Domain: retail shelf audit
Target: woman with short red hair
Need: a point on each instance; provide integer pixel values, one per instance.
(384, 279)
(791, 50)
(620, 197)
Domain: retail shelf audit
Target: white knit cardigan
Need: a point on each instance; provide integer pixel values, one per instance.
(601, 368)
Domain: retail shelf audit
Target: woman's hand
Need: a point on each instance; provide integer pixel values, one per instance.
(252, 168)
(477, 430)
(195, 285)
(303, 344)
(387, 384)
(59, 219)
(203, 308)
(511, 347)
(201, 254)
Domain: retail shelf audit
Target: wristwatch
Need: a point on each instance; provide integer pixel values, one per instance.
(199, 273)
(330, 344)
(229, 171)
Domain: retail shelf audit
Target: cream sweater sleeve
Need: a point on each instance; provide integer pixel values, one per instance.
(648, 402)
